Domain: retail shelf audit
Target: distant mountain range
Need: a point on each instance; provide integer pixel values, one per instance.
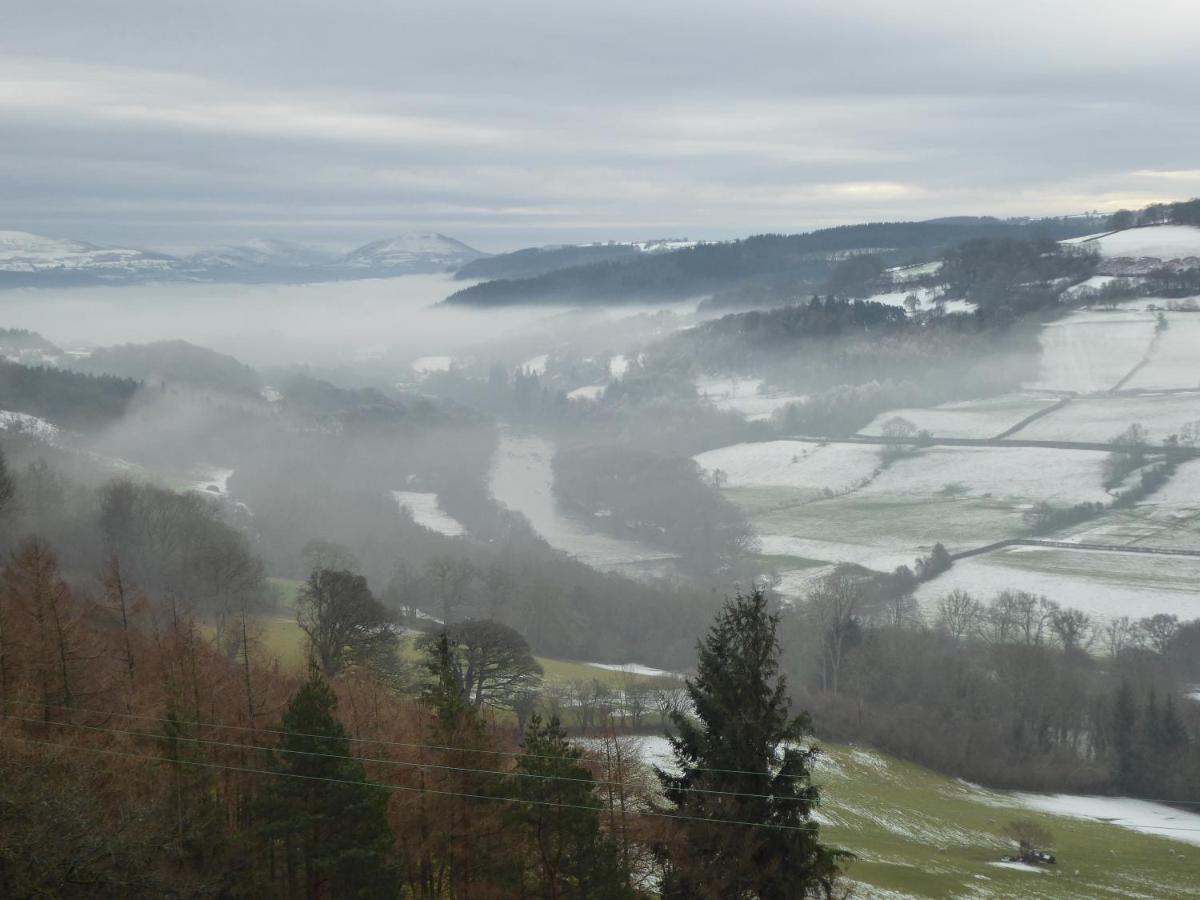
(33, 260)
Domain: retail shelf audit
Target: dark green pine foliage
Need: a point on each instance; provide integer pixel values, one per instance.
(327, 826)
(741, 761)
(1127, 769)
(558, 815)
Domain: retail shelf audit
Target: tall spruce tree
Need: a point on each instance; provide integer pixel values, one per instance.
(745, 780)
(558, 816)
(327, 820)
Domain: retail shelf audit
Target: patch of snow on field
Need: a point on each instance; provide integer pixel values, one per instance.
(1019, 866)
(1158, 241)
(1088, 352)
(1175, 362)
(1104, 584)
(1102, 418)
(426, 512)
(967, 419)
(536, 365)
(633, 669)
(793, 464)
(1137, 815)
(873, 557)
(744, 395)
(1011, 473)
(24, 423)
(426, 365)
(1091, 284)
(618, 365)
(211, 480)
(587, 392)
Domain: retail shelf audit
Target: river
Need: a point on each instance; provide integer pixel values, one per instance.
(522, 479)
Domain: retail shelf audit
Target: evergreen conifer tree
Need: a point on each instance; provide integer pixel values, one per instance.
(327, 820)
(745, 779)
(566, 854)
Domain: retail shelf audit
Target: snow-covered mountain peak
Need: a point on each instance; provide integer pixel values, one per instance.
(414, 251)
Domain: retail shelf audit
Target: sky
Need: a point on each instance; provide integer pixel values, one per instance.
(175, 125)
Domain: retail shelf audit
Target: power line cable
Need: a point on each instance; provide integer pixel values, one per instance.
(396, 787)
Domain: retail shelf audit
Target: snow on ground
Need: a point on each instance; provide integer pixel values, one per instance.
(1105, 584)
(795, 584)
(968, 419)
(1091, 284)
(27, 424)
(1168, 518)
(1089, 352)
(1103, 418)
(833, 502)
(536, 365)
(909, 273)
(424, 508)
(1019, 867)
(618, 365)
(428, 364)
(798, 583)
(744, 395)
(928, 298)
(1020, 474)
(1137, 815)
(1175, 362)
(810, 468)
(633, 669)
(211, 480)
(587, 392)
(1159, 241)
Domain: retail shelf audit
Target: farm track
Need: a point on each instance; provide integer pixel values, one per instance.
(1189, 452)
(1033, 417)
(1072, 545)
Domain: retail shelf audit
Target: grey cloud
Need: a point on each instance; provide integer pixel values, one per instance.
(527, 122)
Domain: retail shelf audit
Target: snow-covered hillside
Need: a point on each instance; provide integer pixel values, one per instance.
(26, 253)
(259, 253)
(1163, 242)
(415, 252)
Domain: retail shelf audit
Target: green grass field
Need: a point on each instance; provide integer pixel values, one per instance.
(920, 834)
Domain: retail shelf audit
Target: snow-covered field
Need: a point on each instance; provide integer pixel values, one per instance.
(807, 468)
(1017, 474)
(928, 300)
(632, 669)
(963, 497)
(1175, 362)
(27, 424)
(1101, 583)
(744, 395)
(1137, 815)
(587, 392)
(909, 273)
(1160, 241)
(1103, 418)
(1089, 352)
(536, 365)
(426, 512)
(970, 418)
(211, 480)
(428, 364)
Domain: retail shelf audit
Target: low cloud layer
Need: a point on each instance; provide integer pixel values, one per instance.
(511, 124)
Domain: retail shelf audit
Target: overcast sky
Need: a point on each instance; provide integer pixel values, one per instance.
(509, 123)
